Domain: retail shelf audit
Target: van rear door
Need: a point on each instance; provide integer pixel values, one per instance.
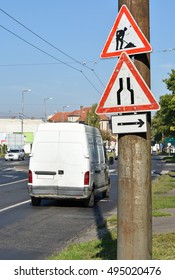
(58, 162)
(70, 164)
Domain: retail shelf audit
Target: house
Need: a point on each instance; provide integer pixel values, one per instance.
(80, 116)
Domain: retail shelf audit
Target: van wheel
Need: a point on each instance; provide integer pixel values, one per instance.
(35, 201)
(90, 201)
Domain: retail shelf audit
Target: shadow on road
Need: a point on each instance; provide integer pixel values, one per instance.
(108, 245)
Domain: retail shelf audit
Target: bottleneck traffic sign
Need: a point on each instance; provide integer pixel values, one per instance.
(125, 35)
(126, 91)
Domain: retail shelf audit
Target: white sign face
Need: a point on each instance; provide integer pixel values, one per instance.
(127, 32)
(126, 90)
(129, 123)
(125, 36)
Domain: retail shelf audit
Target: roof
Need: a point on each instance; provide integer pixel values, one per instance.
(80, 114)
(59, 117)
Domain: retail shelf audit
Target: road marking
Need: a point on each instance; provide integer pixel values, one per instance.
(11, 183)
(112, 170)
(9, 176)
(15, 205)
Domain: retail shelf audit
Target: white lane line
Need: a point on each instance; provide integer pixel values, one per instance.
(112, 170)
(15, 205)
(9, 176)
(11, 183)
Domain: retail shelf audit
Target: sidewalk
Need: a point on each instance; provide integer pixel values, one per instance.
(164, 224)
(160, 225)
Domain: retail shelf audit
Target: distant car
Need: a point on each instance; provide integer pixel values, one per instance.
(15, 154)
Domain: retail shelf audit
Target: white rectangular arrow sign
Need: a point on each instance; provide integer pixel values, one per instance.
(129, 123)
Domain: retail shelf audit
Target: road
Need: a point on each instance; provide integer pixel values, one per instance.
(34, 233)
(28, 232)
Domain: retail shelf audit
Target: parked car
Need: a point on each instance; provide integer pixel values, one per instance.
(15, 154)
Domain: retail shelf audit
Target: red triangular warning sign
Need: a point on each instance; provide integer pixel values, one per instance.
(125, 35)
(126, 91)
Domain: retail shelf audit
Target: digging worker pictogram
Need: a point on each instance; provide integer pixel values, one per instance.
(120, 38)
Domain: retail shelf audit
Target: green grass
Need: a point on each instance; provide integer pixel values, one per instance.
(104, 249)
(158, 213)
(160, 200)
(163, 245)
(163, 184)
(163, 202)
(170, 158)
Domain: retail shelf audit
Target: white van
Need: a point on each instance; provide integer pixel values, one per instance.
(68, 162)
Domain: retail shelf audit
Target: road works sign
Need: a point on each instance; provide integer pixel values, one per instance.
(125, 35)
(129, 123)
(126, 91)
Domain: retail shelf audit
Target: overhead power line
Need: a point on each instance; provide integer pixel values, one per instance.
(35, 64)
(44, 40)
(49, 55)
(166, 50)
(50, 44)
(38, 48)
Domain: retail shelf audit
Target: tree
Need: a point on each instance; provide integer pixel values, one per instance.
(163, 123)
(92, 118)
(106, 135)
(170, 82)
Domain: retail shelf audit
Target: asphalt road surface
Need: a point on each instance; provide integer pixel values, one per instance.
(34, 233)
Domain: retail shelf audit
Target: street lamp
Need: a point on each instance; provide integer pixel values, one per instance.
(63, 111)
(22, 108)
(45, 109)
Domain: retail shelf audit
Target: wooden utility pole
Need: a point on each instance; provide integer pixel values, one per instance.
(134, 229)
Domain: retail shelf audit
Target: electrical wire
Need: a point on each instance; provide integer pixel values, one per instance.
(64, 53)
(90, 83)
(47, 42)
(99, 79)
(38, 48)
(166, 50)
(44, 40)
(80, 71)
(35, 64)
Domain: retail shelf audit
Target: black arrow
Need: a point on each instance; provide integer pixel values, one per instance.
(140, 123)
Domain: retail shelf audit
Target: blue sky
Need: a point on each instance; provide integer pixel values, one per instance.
(79, 29)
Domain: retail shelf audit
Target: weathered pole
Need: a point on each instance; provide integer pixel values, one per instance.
(134, 229)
